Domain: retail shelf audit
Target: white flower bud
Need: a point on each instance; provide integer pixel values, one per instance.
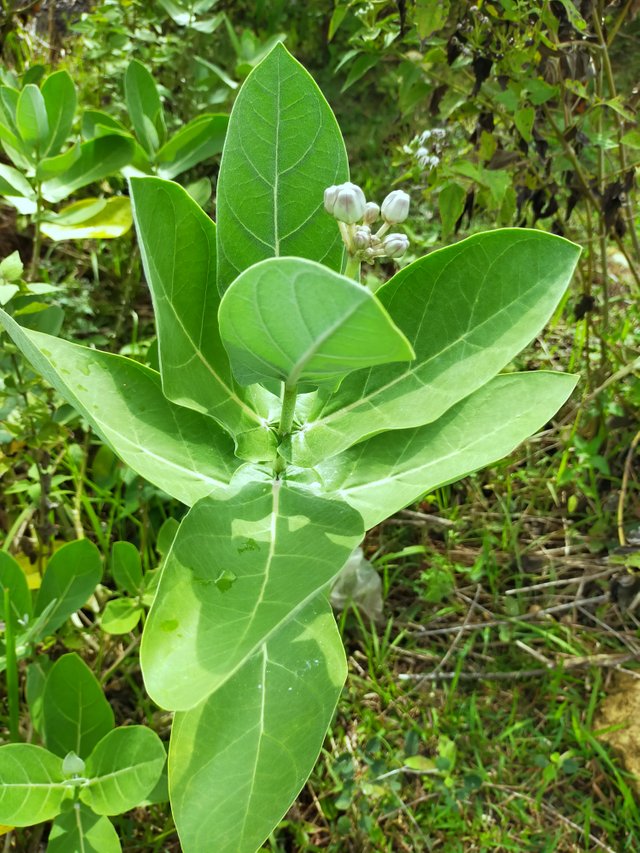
(362, 237)
(345, 202)
(395, 245)
(330, 195)
(395, 207)
(371, 212)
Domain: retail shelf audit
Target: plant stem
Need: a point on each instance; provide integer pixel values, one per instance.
(352, 270)
(37, 237)
(289, 396)
(13, 698)
(288, 410)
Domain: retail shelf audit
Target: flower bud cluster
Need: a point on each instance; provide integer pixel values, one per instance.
(347, 203)
(427, 148)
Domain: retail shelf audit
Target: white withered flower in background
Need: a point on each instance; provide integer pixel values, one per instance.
(395, 207)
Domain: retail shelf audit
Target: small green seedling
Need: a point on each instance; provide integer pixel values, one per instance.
(36, 133)
(136, 590)
(294, 409)
(154, 152)
(86, 768)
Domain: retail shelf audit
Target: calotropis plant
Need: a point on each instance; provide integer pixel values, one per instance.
(294, 409)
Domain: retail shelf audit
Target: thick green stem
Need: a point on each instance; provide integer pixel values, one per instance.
(289, 396)
(13, 697)
(352, 270)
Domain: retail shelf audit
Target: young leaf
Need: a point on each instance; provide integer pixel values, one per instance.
(70, 578)
(481, 301)
(145, 107)
(122, 770)
(79, 830)
(31, 118)
(32, 785)
(198, 140)
(113, 220)
(238, 570)
(14, 183)
(120, 616)
(126, 567)
(177, 243)
(75, 713)
(297, 321)
(98, 158)
(13, 578)
(283, 149)
(383, 474)
(182, 452)
(59, 96)
(283, 699)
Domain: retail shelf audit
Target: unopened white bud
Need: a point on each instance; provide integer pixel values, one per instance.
(395, 245)
(395, 207)
(345, 202)
(371, 212)
(362, 237)
(330, 195)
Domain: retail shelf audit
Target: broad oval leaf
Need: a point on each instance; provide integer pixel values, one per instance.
(75, 713)
(200, 139)
(14, 183)
(297, 321)
(120, 616)
(126, 567)
(122, 770)
(253, 761)
(31, 117)
(79, 830)
(98, 159)
(467, 310)
(178, 247)
(145, 107)
(283, 149)
(59, 95)
(385, 473)
(182, 452)
(70, 578)
(237, 571)
(32, 785)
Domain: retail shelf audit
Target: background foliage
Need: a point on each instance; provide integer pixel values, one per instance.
(473, 714)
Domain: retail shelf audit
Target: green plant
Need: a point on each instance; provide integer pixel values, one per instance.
(308, 412)
(36, 124)
(86, 770)
(154, 153)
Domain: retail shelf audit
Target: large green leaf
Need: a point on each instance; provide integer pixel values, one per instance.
(236, 572)
(32, 785)
(98, 159)
(182, 452)
(59, 95)
(79, 830)
(283, 149)
(252, 744)
(75, 713)
(13, 578)
(196, 141)
(70, 579)
(178, 247)
(123, 769)
(31, 117)
(145, 107)
(299, 322)
(14, 183)
(467, 310)
(385, 473)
